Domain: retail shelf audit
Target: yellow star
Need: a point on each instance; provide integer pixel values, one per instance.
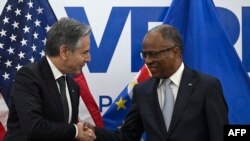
(121, 104)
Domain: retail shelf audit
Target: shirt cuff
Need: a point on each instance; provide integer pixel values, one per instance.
(76, 131)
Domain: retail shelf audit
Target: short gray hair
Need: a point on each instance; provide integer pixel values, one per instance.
(65, 32)
(170, 33)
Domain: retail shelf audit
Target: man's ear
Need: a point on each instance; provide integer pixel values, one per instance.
(63, 51)
(177, 52)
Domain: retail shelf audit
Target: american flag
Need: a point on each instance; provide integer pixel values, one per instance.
(23, 28)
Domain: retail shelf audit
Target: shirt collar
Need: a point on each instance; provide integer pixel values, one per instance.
(176, 77)
(55, 71)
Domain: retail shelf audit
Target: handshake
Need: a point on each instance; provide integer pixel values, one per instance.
(86, 132)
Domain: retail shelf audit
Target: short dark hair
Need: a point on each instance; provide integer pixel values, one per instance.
(65, 32)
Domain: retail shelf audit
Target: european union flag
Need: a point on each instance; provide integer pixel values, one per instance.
(207, 48)
(115, 115)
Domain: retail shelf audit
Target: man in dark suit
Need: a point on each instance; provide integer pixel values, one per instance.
(42, 107)
(196, 109)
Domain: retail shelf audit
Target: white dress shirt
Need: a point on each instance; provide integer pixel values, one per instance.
(58, 74)
(175, 83)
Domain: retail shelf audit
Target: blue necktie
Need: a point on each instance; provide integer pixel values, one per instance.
(168, 103)
(61, 81)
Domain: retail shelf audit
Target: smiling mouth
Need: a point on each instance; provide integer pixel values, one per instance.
(152, 67)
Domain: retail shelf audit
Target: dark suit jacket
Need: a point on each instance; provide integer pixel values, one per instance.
(36, 111)
(199, 114)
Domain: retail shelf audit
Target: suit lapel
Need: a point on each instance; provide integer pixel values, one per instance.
(187, 84)
(152, 95)
(51, 86)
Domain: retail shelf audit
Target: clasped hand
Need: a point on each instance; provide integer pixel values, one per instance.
(85, 132)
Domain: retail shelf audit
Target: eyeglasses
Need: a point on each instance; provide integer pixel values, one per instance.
(154, 54)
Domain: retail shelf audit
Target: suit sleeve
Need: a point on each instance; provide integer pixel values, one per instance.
(216, 111)
(28, 101)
